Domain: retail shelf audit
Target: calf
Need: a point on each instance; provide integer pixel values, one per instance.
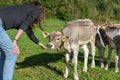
(113, 35)
(75, 34)
(101, 48)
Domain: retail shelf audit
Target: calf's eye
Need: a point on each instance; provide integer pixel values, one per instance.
(58, 38)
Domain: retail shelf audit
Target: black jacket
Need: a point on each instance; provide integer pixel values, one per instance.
(20, 17)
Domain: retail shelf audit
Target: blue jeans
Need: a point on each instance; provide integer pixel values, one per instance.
(7, 58)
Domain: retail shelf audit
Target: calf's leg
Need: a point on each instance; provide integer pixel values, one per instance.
(101, 54)
(117, 60)
(67, 58)
(93, 53)
(86, 51)
(109, 57)
(75, 49)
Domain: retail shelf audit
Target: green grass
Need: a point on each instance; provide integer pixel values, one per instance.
(35, 63)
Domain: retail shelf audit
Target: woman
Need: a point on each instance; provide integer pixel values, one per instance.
(19, 17)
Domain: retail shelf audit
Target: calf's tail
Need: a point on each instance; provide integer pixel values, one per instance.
(101, 40)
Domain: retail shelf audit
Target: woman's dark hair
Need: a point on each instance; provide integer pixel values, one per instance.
(42, 12)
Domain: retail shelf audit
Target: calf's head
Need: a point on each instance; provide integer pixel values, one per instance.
(56, 40)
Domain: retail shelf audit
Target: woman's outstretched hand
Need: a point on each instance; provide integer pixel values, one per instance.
(42, 45)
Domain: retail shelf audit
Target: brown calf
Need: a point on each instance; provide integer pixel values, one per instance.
(75, 34)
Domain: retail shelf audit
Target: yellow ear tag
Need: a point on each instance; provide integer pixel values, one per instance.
(44, 35)
(66, 39)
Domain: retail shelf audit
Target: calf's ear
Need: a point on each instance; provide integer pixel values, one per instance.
(45, 34)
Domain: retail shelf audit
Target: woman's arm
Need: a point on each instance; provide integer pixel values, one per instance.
(18, 35)
(32, 37)
(16, 49)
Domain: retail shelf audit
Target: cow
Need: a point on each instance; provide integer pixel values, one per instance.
(101, 47)
(113, 35)
(76, 34)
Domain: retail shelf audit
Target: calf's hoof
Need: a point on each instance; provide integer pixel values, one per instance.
(85, 70)
(65, 75)
(93, 65)
(102, 65)
(116, 70)
(106, 67)
(76, 78)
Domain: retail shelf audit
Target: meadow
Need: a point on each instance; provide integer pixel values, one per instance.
(34, 63)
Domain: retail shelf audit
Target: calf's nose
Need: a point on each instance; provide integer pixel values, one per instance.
(49, 45)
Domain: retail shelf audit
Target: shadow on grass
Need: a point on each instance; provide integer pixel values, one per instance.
(42, 59)
(97, 60)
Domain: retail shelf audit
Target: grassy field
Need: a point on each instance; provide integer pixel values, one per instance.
(35, 63)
